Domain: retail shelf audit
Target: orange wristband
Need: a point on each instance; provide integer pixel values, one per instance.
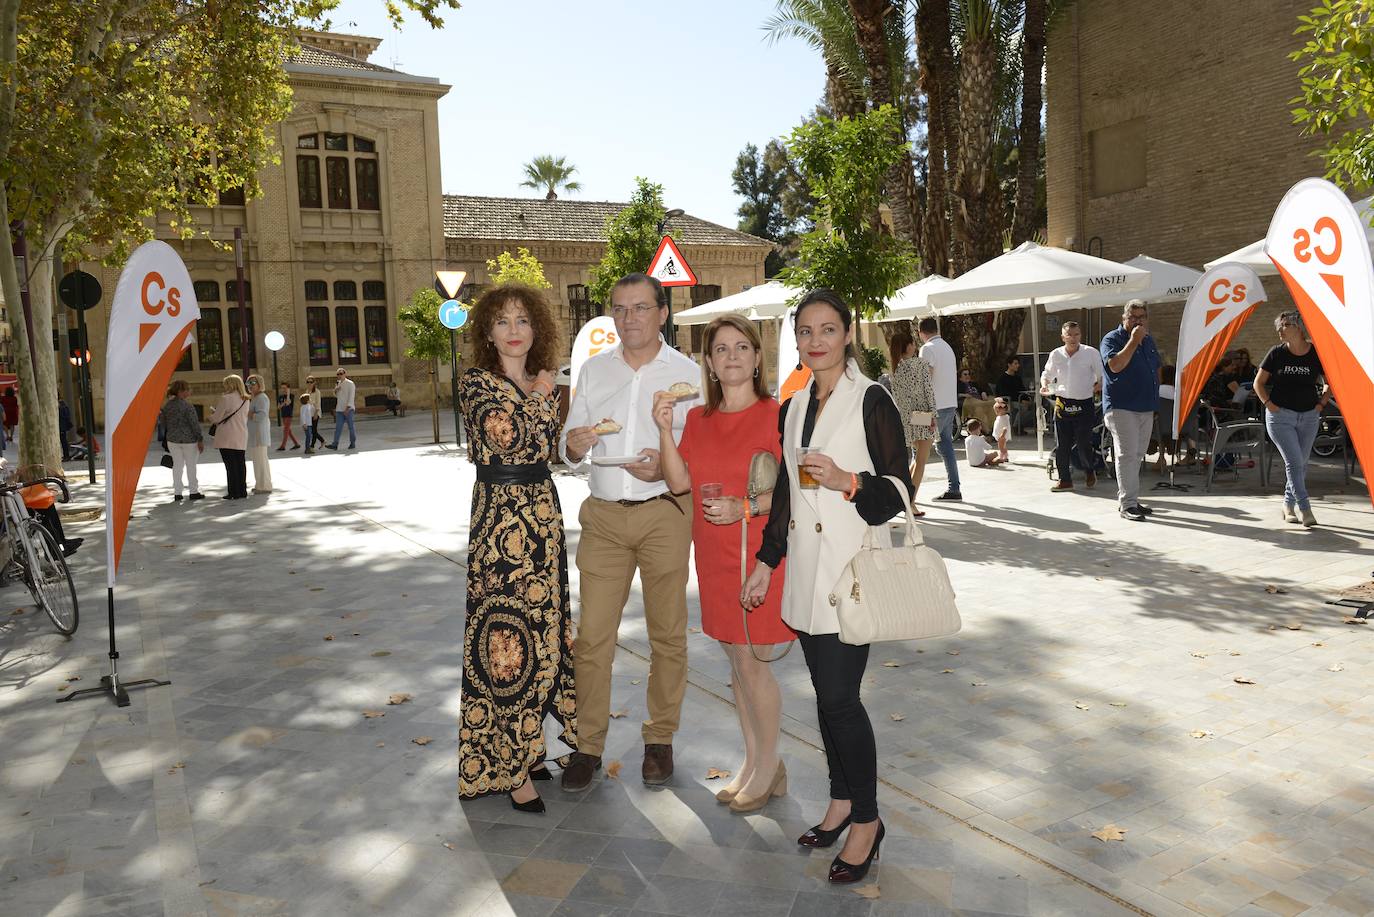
(746, 509)
(853, 486)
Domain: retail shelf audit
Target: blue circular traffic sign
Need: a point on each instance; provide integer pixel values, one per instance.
(453, 315)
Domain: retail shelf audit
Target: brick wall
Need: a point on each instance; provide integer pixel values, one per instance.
(1212, 81)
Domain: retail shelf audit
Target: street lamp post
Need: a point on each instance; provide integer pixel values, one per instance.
(275, 341)
(669, 332)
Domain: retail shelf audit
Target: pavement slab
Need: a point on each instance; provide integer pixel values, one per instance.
(1094, 651)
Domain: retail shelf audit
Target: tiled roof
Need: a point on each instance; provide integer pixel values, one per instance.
(471, 217)
(318, 57)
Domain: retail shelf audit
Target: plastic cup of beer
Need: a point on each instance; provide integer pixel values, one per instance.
(710, 492)
(804, 479)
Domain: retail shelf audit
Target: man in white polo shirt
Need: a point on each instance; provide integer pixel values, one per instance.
(1073, 374)
(630, 521)
(944, 373)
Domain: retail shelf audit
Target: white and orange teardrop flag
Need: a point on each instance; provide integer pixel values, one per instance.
(151, 322)
(1220, 302)
(1317, 242)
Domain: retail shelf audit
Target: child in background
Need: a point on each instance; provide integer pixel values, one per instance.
(308, 424)
(976, 446)
(1001, 427)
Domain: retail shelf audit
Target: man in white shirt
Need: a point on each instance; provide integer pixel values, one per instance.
(345, 397)
(944, 374)
(1073, 374)
(630, 521)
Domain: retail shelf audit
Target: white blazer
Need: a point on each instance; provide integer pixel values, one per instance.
(826, 530)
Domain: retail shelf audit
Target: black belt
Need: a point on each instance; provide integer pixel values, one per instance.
(663, 496)
(513, 474)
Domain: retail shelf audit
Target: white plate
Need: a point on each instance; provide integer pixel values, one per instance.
(618, 459)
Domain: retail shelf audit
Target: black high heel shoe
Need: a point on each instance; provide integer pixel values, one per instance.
(840, 871)
(820, 837)
(535, 805)
(540, 773)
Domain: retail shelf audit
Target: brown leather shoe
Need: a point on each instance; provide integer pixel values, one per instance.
(658, 764)
(1062, 486)
(1092, 479)
(578, 774)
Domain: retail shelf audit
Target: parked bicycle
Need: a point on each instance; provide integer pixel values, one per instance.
(29, 552)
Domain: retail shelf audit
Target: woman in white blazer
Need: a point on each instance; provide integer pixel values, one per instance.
(858, 431)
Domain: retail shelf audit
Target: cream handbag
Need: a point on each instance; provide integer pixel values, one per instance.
(895, 593)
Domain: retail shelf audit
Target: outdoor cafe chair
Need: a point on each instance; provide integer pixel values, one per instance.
(1245, 437)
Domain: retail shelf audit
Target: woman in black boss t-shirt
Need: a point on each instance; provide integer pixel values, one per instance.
(1290, 386)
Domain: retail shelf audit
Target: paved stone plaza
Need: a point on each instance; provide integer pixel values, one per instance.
(1094, 651)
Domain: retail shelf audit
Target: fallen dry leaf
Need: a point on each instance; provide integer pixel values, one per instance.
(1350, 620)
(1082, 706)
(17, 611)
(1293, 625)
(1233, 653)
(328, 637)
(897, 717)
(891, 664)
(694, 630)
(1243, 680)
(1116, 703)
(73, 678)
(382, 653)
(978, 684)
(381, 745)
(372, 714)
(398, 698)
(1335, 667)
(1200, 733)
(63, 687)
(422, 740)
(946, 671)
(634, 681)
(1319, 643)
(449, 846)
(1275, 590)
(1198, 655)
(317, 589)
(617, 714)
(613, 770)
(868, 891)
(1110, 833)
(951, 652)
(715, 773)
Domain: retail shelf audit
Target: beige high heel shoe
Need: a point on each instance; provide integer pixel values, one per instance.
(742, 803)
(728, 795)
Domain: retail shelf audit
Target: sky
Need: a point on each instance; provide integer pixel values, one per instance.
(622, 88)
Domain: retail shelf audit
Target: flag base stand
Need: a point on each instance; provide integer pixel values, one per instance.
(110, 684)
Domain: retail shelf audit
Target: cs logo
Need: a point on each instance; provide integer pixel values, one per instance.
(1304, 239)
(1221, 291)
(170, 298)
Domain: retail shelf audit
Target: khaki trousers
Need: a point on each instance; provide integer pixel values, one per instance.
(655, 538)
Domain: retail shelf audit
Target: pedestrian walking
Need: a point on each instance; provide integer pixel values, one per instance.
(309, 416)
(259, 435)
(1130, 397)
(913, 389)
(936, 351)
(9, 402)
(714, 460)
(517, 669)
(1072, 376)
(64, 427)
(841, 437)
(286, 410)
(317, 399)
(345, 395)
(1291, 386)
(184, 439)
(631, 521)
(229, 426)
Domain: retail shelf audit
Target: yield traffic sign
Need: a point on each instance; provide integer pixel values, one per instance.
(669, 267)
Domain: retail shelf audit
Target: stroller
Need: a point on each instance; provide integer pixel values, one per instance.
(1101, 446)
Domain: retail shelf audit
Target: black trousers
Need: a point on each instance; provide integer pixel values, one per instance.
(236, 469)
(850, 749)
(1074, 431)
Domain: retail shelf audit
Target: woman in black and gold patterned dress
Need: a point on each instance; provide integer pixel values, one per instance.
(517, 644)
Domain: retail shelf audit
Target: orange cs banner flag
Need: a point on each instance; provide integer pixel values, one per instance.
(1220, 302)
(151, 322)
(1319, 246)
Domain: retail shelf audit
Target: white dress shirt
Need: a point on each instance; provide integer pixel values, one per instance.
(1075, 376)
(944, 371)
(608, 387)
(345, 394)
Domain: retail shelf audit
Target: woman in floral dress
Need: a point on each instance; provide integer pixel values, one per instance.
(914, 391)
(517, 643)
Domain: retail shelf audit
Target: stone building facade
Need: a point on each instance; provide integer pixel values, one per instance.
(1169, 134)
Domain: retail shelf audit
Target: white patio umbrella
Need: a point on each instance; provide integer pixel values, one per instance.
(767, 300)
(1253, 256)
(1031, 275)
(1169, 282)
(912, 301)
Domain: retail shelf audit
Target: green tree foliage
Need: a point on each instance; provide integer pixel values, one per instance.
(845, 163)
(1337, 100)
(632, 237)
(114, 112)
(420, 320)
(521, 267)
(777, 202)
(550, 173)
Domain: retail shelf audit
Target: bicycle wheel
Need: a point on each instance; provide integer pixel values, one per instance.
(48, 577)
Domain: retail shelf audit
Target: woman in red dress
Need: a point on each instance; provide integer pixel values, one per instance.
(718, 443)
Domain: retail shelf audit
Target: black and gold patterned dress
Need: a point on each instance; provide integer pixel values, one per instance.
(517, 643)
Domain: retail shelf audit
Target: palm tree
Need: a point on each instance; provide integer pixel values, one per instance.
(939, 78)
(550, 173)
(827, 27)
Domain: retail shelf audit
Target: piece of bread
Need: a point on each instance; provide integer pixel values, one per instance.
(605, 427)
(683, 390)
